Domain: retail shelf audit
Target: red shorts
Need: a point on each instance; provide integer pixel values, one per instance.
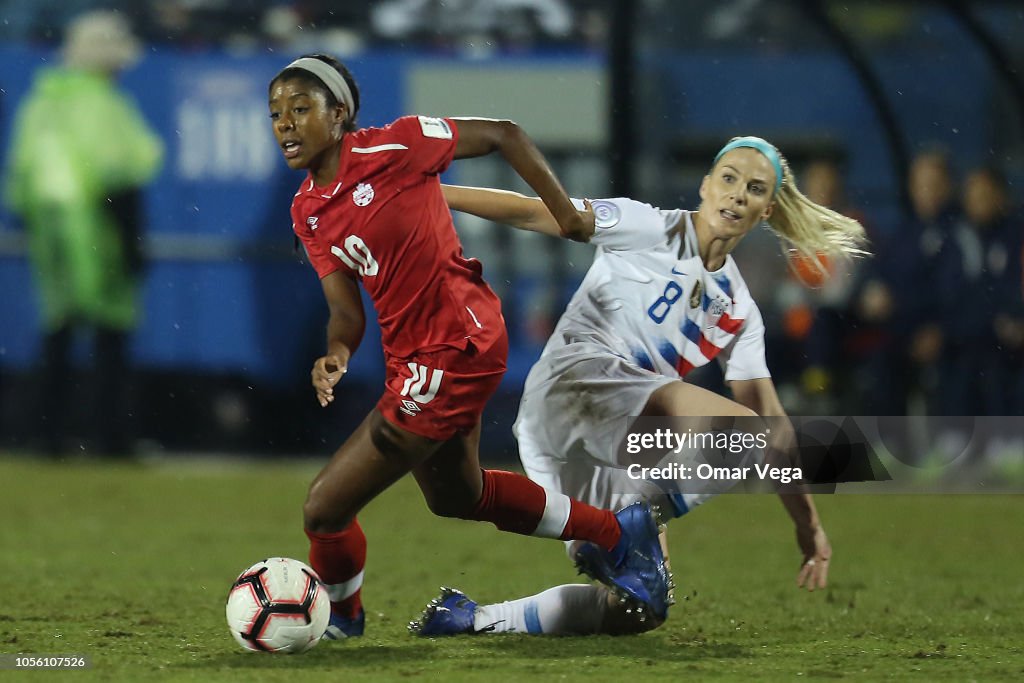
(442, 393)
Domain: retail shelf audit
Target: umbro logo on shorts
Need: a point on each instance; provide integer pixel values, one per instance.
(410, 408)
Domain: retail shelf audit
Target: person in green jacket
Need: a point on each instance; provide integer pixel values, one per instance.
(81, 153)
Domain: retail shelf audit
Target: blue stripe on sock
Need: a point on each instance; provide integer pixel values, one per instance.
(532, 619)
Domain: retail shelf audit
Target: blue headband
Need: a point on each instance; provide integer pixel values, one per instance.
(761, 145)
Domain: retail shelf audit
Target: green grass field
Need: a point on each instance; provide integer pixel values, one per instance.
(130, 565)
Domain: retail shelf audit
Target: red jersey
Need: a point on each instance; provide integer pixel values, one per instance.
(384, 221)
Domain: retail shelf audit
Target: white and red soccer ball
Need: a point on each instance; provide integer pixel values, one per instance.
(278, 605)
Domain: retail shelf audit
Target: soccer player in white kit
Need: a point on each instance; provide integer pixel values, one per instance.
(662, 297)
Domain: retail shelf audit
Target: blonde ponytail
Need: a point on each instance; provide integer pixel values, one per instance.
(814, 231)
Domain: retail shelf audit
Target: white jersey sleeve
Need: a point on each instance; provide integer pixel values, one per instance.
(744, 358)
(628, 225)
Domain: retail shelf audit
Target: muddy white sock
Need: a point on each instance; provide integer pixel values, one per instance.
(569, 609)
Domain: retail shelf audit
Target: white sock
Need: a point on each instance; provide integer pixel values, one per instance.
(574, 608)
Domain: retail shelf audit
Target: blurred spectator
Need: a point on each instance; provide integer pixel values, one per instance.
(198, 23)
(897, 299)
(778, 26)
(816, 306)
(80, 153)
(477, 24)
(983, 319)
(736, 20)
(302, 24)
(317, 27)
(39, 20)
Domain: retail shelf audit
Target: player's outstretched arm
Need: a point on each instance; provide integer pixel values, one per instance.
(502, 206)
(478, 137)
(813, 542)
(345, 327)
(760, 396)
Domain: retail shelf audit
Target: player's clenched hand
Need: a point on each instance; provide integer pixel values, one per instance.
(327, 371)
(817, 554)
(579, 226)
(589, 221)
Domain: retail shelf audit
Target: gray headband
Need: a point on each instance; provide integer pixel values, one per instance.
(330, 77)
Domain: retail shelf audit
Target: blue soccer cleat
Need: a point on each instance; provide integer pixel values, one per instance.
(340, 627)
(449, 614)
(635, 568)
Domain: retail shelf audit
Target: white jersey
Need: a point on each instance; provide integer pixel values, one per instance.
(648, 298)
(646, 314)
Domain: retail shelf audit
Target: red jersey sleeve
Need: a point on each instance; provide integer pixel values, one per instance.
(323, 262)
(431, 142)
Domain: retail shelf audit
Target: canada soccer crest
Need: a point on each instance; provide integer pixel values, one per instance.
(363, 194)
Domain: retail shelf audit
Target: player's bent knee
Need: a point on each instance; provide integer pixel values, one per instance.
(456, 507)
(322, 515)
(451, 492)
(679, 399)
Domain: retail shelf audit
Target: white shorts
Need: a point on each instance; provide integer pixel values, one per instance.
(577, 407)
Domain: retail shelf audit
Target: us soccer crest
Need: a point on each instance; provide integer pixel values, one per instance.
(717, 307)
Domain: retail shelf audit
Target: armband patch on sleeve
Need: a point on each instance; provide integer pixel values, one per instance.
(435, 128)
(606, 214)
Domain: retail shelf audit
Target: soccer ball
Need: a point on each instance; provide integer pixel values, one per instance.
(278, 605)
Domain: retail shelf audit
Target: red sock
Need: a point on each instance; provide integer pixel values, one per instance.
(339, 559)
(588, 523)
(514, 503)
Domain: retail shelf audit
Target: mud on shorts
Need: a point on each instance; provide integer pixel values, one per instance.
(576, 410)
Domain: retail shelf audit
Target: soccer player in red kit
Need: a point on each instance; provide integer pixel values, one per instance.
(371, 211)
